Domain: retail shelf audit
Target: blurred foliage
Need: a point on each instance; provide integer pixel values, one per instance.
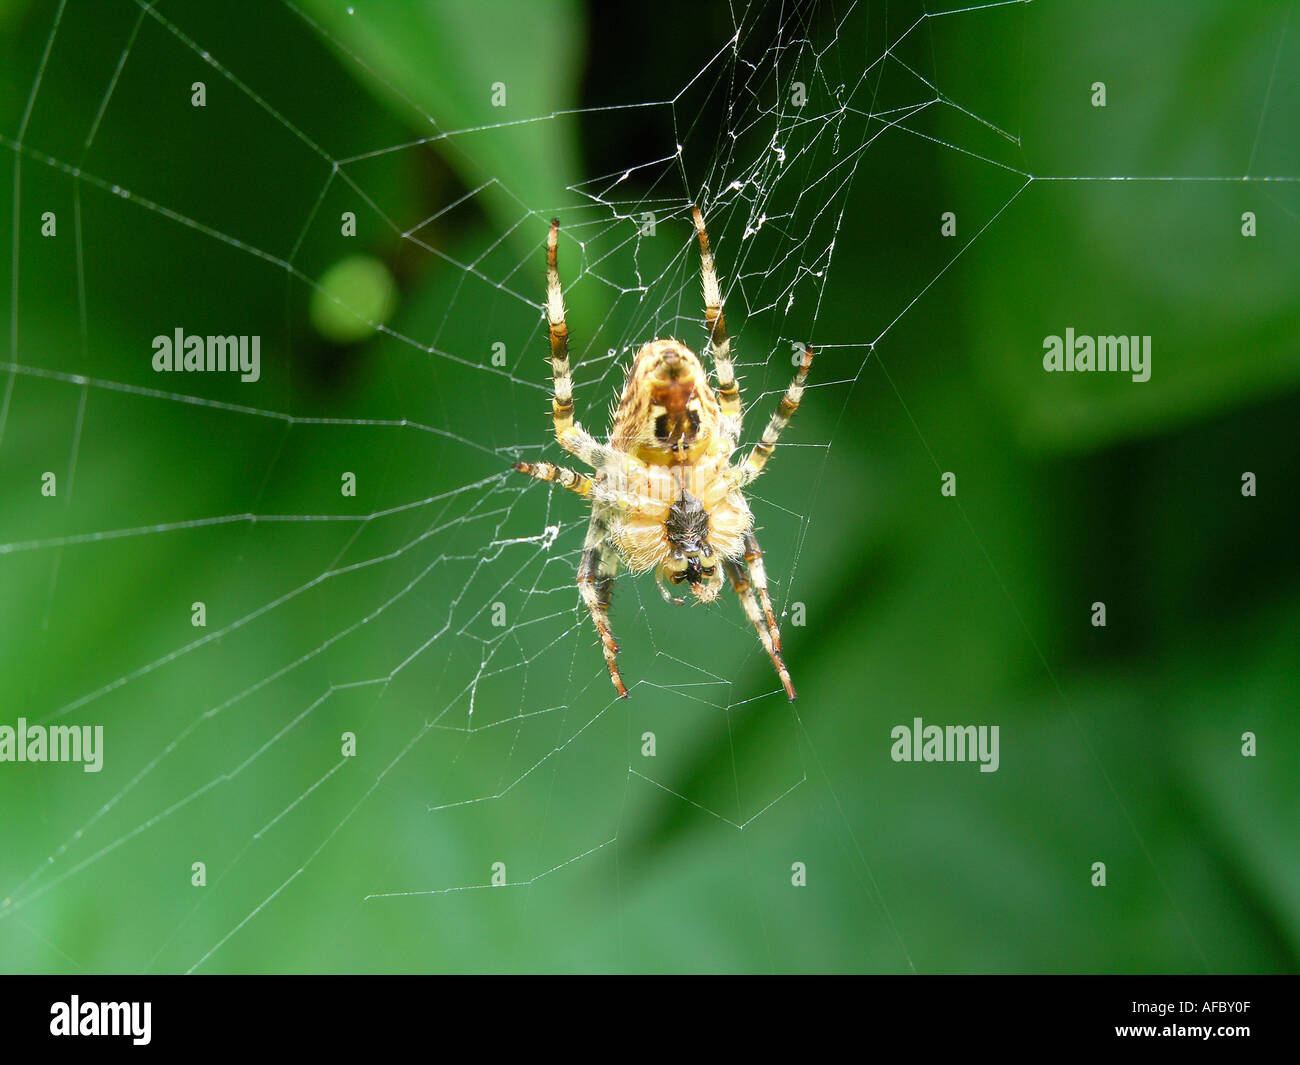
(1119, 744)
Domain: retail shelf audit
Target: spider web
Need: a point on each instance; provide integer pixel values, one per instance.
(432, 615)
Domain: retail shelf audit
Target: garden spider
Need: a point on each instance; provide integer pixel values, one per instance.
(664, 494)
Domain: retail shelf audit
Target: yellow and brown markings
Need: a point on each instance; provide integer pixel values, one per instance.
(668, 412)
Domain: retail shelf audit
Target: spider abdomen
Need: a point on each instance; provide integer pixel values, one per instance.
(668, 412)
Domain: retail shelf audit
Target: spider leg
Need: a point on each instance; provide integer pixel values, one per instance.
(746, 594)
(572, 437)
(561, 475)
(758, 577)
(757, 458)
(596, 574)
(598, 488)
(667, 595)
(719, 342)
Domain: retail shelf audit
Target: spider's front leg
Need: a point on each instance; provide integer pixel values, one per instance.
(596, 574)
(758, 577)
(765, 627)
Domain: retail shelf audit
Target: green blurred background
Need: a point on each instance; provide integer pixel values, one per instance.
(373, 614)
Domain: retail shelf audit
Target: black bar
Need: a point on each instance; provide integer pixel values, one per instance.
(921, 1013)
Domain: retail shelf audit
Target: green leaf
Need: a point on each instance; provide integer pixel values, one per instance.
(428, 61)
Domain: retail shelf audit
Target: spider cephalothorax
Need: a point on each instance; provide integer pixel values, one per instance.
(692, 558)
(664, 494)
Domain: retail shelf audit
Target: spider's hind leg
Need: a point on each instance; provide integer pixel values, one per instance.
(719, 342)
(572, 436)
(745, 592)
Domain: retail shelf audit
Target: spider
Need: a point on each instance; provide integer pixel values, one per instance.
(664, 494)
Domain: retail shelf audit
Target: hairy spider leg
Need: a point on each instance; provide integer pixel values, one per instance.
(757, 458)
(596, 573)
(758, 577)
(579, 483)
(745, 592)
(572, 437)
(719, 342)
